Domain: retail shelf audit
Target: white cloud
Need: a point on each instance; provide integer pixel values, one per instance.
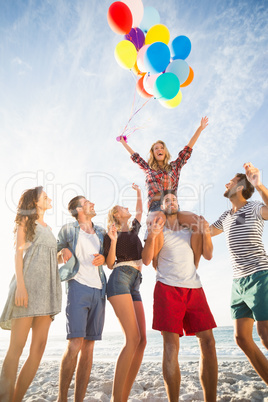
(23, 67)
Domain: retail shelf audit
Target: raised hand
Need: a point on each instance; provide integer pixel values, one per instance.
(122, 138)
(204, 122)
(135, 187)
(253, 174)
(112, 232)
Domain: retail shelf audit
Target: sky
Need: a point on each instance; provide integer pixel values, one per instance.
(64, 100)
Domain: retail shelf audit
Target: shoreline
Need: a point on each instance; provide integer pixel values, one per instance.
(109, 347)
(237, 382)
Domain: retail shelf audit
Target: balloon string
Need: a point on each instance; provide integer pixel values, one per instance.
(133, 103)
(129, 129)
(135, 129)
(131, 112)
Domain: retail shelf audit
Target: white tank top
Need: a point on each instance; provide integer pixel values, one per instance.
(175, 266)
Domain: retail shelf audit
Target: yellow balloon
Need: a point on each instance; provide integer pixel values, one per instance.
(125, 54)
(157, 33)
(174, 102)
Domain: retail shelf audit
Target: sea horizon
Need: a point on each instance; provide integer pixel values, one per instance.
(109, 347)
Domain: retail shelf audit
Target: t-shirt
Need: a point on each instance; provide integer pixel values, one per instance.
(128, 246)
(243, 230)
(87, 245)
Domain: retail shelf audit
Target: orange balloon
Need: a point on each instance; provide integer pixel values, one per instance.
(140, 89)
(136, 70)
(189, 79)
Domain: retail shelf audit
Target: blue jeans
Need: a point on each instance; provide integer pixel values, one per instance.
(155, 206)
(124, 280)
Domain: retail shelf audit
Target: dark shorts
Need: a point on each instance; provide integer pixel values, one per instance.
(84, 312)
(181, 310)
(155, 206)
(124, 280)
(250, 297)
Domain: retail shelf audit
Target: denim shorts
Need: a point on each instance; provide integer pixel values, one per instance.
(250, 297)
(124, 280)
(155, 206)
(84, 312)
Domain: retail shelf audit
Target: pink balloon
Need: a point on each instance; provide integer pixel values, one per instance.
(137, 10)
(140, 58)
(148, 82)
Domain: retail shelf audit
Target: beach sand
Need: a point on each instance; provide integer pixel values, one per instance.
(237, 382)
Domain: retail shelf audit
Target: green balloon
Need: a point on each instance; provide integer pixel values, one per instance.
(166, 86)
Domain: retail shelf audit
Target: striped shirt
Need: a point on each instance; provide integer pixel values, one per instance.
(243, 230)
(159, 180)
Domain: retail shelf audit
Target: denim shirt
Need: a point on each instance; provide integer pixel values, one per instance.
(67, 238)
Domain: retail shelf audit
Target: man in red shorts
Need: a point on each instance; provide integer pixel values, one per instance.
(180, 305)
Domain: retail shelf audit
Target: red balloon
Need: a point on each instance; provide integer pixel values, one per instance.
(140, 89)
(120, 18)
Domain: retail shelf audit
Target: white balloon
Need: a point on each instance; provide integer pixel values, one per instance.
(137, 10)
(148, 82)
(180, 68)
(140, 58)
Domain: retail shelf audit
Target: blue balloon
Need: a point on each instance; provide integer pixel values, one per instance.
(156, 58)
(180, 68)
(150, 17)
(166, 86)
(180, 47)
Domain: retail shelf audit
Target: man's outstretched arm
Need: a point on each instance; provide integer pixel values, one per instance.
(254, 177)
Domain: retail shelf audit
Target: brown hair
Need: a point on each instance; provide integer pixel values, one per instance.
(73, 204)
(27, 211)
(165, 192)
(248, 189)
(152, 162)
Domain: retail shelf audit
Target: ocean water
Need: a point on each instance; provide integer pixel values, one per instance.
(107, 350)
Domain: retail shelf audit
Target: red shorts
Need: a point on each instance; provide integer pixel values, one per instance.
(181, 310)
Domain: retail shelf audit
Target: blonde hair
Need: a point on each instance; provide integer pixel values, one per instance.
(111, 219)
(152, 162)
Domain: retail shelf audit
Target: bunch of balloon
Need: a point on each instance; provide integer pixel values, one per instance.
(161, 71)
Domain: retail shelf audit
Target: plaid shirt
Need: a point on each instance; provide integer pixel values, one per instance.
(160, 180)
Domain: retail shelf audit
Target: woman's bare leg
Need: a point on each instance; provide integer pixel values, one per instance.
(124, 309)
(137, 359)
(40, 328)
(20, 328)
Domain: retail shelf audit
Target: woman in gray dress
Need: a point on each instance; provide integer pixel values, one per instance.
(34, 295)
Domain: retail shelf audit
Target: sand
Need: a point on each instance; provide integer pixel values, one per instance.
(237, 382)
